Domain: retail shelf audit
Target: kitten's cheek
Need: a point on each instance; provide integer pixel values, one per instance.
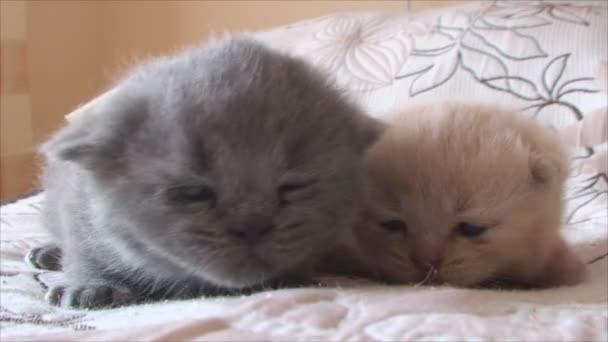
(465, 274)
(461, 280)
(405, 274)
(563, 267)
(239, 270)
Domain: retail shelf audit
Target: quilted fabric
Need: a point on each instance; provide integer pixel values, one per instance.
(341, 310)
(547, 58)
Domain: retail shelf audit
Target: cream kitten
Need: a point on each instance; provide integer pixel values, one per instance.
(467, 195)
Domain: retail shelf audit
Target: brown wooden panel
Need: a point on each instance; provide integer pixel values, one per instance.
(13, 67)
(18, 174)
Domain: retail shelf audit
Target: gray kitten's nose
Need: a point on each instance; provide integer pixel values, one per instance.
(253, 228)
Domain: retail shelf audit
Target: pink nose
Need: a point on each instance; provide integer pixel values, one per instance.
(425, 264)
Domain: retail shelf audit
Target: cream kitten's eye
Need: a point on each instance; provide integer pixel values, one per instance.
(394, 226)
(190, 194)
(470, 230)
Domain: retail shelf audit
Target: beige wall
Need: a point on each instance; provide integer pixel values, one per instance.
(64, 58)
(15, 106)
(256, 15)
(162, 26)
(58, 54)
(133, 30)
(197, 19)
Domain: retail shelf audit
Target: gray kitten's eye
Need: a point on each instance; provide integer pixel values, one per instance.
(190, 194)
(286, 189)
(394, 226)
(470, 230)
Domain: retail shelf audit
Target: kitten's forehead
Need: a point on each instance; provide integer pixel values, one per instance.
(239, 86)
(454, 163)
(238, 102)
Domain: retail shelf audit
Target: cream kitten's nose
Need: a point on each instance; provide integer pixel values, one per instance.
(425, 263)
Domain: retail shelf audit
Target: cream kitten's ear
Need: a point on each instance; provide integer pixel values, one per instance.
(549, 167)
(563, 267)
(548, 159)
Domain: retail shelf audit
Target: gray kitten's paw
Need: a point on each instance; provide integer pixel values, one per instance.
(47, 257)
(89, 296)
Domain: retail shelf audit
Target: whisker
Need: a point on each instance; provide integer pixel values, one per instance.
(431, 274)
(292, 225)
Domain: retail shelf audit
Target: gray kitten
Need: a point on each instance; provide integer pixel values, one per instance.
(225, 168)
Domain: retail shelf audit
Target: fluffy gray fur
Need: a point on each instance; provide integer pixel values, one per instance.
(270, 138)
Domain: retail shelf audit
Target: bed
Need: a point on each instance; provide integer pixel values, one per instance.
(547, 58)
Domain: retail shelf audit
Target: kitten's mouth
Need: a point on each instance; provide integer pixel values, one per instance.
(432, 277)
(258, 257)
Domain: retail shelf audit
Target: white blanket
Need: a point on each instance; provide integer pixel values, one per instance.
(343, 310)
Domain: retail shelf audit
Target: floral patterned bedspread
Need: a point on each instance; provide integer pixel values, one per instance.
(547, 58)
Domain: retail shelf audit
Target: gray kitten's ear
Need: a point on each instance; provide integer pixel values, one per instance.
(96, 132)
(370, 130)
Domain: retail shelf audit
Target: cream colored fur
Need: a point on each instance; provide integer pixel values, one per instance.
(439, 164)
